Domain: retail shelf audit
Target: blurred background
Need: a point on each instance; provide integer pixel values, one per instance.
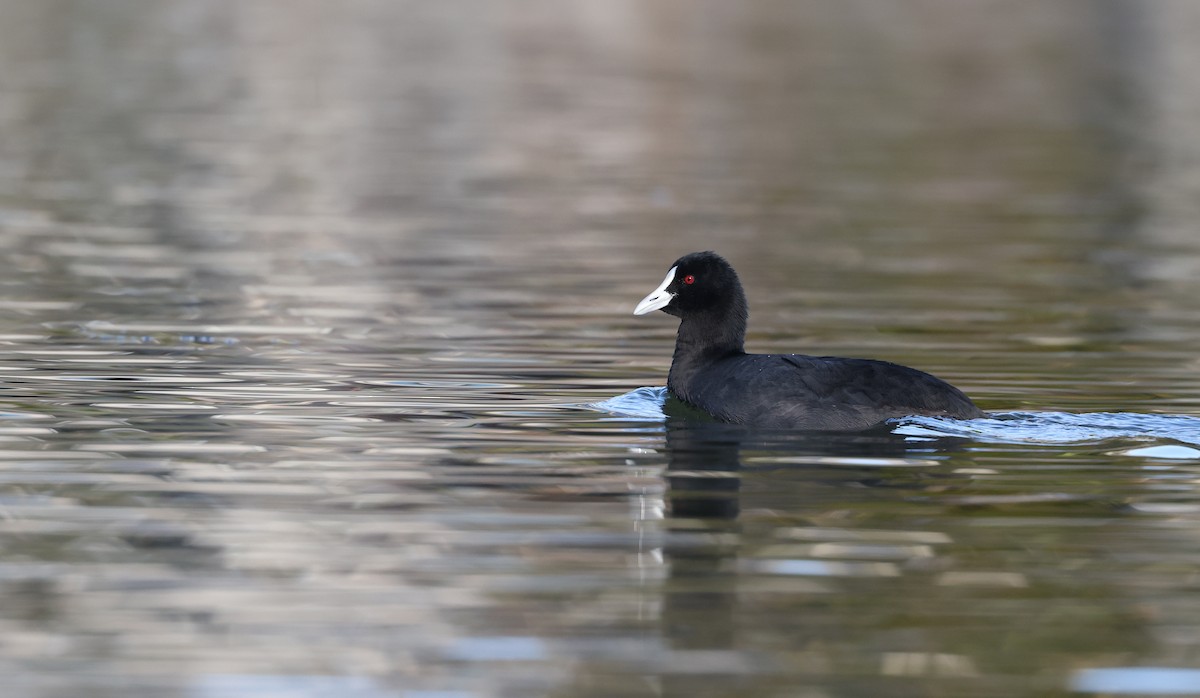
(1009, 156)
(305, 304)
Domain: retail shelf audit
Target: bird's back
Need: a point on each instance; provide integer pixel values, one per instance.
(815, 392)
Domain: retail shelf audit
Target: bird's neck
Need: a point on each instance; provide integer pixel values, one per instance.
(706, 337)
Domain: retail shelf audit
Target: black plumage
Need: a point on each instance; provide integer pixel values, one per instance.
(712, 372)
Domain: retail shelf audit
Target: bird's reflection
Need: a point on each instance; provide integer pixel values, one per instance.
(703, 479)
(704, 492)
(705, 458)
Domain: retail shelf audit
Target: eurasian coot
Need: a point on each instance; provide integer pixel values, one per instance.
(711, 371)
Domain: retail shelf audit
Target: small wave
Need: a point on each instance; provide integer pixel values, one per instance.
(1058, 427)
(1050, 428)
(643, 403)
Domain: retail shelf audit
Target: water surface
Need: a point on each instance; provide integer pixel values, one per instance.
(318, 374)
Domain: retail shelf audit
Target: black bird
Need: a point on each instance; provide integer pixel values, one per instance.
(712, 372)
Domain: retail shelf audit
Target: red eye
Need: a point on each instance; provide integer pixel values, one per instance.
(689, 279)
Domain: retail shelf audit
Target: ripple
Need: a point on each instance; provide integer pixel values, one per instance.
(8, 304)
(840, 461)
(189, 447)
(27, 431)
(306, 685)
(1057, 427)
(129, 271)
(823, 568)
(291, 419)
(155, 406)
(1049, 428)
(498, 649)
(1141, 680)
(95, 378)
(443, 384)
(1167, 452)
(8, 415)
(815, 533)
(164, 327)
(277, 374)
(70, 352)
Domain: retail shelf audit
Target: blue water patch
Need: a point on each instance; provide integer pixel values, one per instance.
(1057, 427)
(499, 649)
(1165, 452)
(289, 686)
(1142, 680)
(646, 404)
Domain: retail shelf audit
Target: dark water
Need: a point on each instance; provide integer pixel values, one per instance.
(318, 375)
